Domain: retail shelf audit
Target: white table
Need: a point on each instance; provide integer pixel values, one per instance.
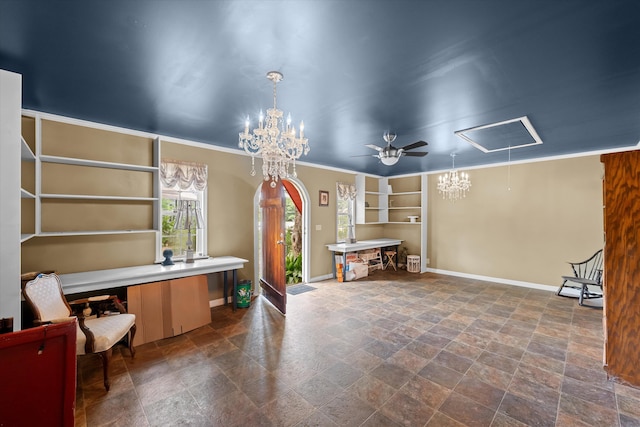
(360, 246)
(88, 281)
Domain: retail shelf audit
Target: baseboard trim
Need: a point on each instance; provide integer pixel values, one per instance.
(495, 280)
(321, 278)
(216, 302)
(220, 301)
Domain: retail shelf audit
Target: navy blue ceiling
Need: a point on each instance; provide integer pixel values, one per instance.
(195, 69)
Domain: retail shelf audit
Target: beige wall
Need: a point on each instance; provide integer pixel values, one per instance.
(231, 191)
(70, 254)
(314, 180)
(552, 214)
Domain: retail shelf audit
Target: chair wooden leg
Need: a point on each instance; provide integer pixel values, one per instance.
(560, 289)
(132, 334)
(582, 293)
(106, 358)
(585, 293)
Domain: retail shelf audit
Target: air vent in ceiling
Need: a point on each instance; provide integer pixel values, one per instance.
(509, 134)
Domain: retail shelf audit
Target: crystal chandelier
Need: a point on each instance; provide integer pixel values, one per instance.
(276, 143)
(452, 185)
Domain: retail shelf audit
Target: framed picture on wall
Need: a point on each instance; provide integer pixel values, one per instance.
(324, 198)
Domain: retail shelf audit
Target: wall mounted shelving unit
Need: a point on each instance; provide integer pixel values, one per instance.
(390, 201)
(73, 202)
(27, 194)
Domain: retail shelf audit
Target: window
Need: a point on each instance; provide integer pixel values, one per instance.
(184, 194)
(345, 210)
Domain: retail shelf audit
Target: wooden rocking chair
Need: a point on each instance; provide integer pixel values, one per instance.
(587, 279)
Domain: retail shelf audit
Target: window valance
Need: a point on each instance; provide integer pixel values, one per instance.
(183, 176)
(347, 191)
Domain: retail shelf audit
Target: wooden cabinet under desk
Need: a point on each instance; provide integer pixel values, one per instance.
(168, 308)
(167, 300)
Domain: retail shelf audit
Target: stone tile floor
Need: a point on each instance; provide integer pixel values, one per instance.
(394, 349)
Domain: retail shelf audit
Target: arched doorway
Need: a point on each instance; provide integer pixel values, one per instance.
(297, 185)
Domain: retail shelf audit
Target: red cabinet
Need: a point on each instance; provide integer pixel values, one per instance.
(38, 376)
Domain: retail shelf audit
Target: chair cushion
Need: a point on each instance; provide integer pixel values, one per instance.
(107, 331)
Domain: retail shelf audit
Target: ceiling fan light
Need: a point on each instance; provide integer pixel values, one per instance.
(389, 161)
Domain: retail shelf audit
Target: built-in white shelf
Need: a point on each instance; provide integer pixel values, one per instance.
(96, 197)
(96, 163)
(91, 232)
(406, 193)
(27, 154)
(393, 207)
(24, 194)
(25, 237)
(25, 151)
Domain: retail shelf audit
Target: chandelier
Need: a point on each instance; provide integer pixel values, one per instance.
(452, 185)
(276, 143)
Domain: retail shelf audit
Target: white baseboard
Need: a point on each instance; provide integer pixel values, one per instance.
(321, 278)
(495, 280)
(217, 302)
(220, 301)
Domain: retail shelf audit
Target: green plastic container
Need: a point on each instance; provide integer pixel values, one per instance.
(243, 296)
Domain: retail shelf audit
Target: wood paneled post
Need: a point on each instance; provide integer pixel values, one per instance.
(622, 266)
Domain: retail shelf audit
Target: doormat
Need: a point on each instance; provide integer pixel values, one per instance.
(299, 289)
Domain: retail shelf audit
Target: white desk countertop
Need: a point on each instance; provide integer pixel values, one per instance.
(363, 244)
(102, 279)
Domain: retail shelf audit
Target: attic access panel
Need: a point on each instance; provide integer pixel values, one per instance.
(509, 134)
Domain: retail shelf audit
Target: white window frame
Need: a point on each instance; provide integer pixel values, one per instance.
(345, 211)
(199, 235)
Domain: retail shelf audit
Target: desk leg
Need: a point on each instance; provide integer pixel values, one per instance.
(235, 289)
(225, 292)
(333, 264)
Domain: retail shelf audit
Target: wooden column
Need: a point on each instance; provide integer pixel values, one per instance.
(622, 266)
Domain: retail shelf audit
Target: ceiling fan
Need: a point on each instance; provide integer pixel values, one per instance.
(389, 155)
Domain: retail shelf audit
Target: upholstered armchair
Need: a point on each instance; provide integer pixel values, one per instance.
(95, 333)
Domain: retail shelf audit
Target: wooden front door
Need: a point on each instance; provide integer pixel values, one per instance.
(273, 280)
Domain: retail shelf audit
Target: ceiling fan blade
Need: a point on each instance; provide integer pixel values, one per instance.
(414, 145)
(415, 153)
(374, 147)
(364, 155)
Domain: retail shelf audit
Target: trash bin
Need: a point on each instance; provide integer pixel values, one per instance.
(243, 296)
(413, 263)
